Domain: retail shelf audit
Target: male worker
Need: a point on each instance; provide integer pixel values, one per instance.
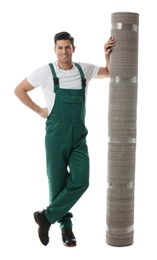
(64, 85)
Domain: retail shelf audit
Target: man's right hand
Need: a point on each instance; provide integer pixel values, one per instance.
(43, 112)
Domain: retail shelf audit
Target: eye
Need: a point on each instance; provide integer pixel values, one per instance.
(68, 47)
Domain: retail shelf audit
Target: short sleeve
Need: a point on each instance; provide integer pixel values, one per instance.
(37, 78)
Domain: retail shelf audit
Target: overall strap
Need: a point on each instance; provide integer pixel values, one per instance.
(82, 74)
(55, 78)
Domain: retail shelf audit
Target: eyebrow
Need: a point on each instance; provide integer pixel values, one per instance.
(69, 45)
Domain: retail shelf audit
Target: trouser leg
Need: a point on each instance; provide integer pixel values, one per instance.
(65, 222)
(70, 186)
(78, 180)
(57, 180)
(56, 162)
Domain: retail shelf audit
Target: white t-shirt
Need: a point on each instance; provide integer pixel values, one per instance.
(68, 79)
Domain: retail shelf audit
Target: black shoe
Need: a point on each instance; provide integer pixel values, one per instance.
(44, 226)
(68, 238)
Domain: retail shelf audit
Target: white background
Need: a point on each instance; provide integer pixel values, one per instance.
(26, 32)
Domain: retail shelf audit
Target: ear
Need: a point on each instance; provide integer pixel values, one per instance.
(55, 49)
(74, 47)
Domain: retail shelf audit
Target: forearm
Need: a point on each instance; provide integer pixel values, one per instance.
(26, 100)
(104, 72)
(107, 63)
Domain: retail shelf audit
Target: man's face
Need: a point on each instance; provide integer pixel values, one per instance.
(64, 50)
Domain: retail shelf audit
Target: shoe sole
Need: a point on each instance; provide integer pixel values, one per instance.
(72, 245)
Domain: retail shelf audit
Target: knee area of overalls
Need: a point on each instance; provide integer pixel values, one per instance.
(84, 184)
(81, 185)
(84, 181)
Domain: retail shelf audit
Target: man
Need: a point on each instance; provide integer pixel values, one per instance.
(64, 85)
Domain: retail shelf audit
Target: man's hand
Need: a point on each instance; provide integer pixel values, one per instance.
(43, 112)
(109, 45)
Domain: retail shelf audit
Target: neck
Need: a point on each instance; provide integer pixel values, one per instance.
(65, 66)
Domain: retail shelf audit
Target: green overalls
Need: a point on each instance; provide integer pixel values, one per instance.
(66, 151)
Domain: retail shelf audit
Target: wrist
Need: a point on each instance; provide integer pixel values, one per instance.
(37, 109)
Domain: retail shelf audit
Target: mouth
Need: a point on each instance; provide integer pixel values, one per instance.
(64, 56)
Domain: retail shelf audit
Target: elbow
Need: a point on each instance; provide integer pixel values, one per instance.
(107, 72)
(16, 92)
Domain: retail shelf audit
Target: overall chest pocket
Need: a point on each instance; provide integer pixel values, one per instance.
(72, 106)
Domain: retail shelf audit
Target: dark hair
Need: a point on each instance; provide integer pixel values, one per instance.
(63, 36)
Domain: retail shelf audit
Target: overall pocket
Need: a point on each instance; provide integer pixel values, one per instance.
(72, 106)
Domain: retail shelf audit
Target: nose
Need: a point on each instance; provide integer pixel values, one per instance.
(64, 50)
